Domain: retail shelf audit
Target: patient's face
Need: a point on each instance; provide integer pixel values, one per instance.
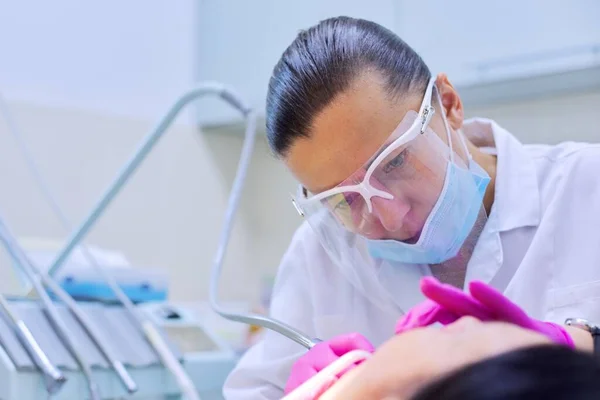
(409, 361)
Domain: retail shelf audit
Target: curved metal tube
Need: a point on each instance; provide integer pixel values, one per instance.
(234, 198)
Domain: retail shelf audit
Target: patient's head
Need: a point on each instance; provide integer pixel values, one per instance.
(412, 361)
(541, 372)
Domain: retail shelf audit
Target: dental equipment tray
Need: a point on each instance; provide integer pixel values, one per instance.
(21, 379)
(114, 326)
(205, 357)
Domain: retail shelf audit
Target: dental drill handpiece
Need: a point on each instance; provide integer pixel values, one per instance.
(54, 379)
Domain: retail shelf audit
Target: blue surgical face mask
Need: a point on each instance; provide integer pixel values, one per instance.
(449, 224)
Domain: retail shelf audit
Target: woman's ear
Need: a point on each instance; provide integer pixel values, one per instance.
(450, 101)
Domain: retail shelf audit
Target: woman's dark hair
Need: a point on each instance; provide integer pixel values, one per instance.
(544, 372)
(323, 61)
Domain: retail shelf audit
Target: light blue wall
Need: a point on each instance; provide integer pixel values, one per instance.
(126, 57)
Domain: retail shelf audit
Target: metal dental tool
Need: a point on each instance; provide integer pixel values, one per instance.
(65, 335)
(53, 377)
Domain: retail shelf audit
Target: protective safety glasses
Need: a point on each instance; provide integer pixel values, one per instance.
(394, 191)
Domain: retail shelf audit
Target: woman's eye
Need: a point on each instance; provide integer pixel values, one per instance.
(351, 197)
(348, 200)
(394, 162)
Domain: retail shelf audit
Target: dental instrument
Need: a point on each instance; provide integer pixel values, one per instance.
(66, 336)
(54, 379)
(314, 387)
(35, 275)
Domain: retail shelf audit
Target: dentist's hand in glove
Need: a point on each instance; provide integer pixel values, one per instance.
(446, 304)
(323, 354)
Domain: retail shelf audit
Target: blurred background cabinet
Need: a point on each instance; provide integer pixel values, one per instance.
(492, 51)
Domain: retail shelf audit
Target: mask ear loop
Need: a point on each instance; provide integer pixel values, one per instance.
(460, 134)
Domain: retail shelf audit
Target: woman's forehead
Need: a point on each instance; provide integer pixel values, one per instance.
(346, 133)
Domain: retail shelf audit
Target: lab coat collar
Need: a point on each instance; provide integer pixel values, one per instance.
(517, 198)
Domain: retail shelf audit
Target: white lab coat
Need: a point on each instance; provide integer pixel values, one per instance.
(540, 246)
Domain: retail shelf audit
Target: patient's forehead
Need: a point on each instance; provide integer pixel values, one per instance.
(409, 361)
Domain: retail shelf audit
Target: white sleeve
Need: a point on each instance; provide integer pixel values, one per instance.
(264, 369)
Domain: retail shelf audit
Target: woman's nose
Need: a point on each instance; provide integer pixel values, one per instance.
(391, 213)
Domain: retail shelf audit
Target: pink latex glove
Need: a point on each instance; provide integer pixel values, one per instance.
(425, 314)
(323, 354)
(482, 302)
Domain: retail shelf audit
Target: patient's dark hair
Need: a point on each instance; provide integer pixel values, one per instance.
(545, 372)
(323, 61)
